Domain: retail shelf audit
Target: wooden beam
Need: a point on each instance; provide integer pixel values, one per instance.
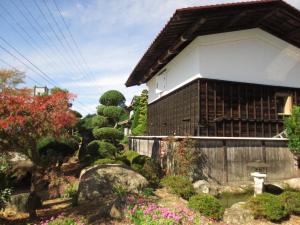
(234, 20)
(266, 16)
(293, 33)
(186, 36)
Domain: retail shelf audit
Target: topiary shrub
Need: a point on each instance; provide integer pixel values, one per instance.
(178, 185)
(113, 112)
(99, 121)
(100, 109)
(291, 201)
(108, 134)
(129, 155)
(112, 97)
(207, 205)
(268, 206)
(140, 160)
(101, 149)
(62, 146)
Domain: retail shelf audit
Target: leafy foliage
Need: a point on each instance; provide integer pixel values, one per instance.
(268, 206)
(10, 79)
(139, 120)
(178, 185)
(207, 205)
(62, 146)
(5, 192)
(113, 112)
(292, 126)
(108, 133)
(112, 98)
(26, 119)
(100, 109)
(101, 149)
(130, 155)
(64, 220)
(107, 161)
(291, 201)
(99, 121)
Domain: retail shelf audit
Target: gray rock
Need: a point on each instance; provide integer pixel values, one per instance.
(293, 183)
(238, 214)
(18, 202)
(117, 208)
(98, 181)
(203, 186)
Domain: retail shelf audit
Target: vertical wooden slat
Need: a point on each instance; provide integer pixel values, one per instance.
(206, 106)
(215, 107)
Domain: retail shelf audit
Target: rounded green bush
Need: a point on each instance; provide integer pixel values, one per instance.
(268, 206)
(108, 133)
(112, 97)
(101, 149)
(99, 121)
(207, 205)
(62, 146)
(140, 159)
(178, 185)
(291, 201)
(100, 109)
(129, 155)
(113, 112)
(107, 161)
(151, 171)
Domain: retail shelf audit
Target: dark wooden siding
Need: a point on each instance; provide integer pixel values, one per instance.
(219, 108)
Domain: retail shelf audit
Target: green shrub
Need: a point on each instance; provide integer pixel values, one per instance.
(101, 149)
(71, 192)
(178, 185)
(64, 220)
(100, 109)
(291, 201)
(107, 161)
(268, 206)
(99, 121)
(86, 124)
(140, 160)
(63, 146)
(108, 133)
(291, 125)
(113, 112)
(151, 171)
(112, 97)
(207, 205)
(5, 192)
(130, 155)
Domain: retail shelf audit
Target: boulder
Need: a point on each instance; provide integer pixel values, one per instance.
(238, 214)
(293, 183)
(99, 181)
(206, 187)
(117, 208)
(18, 203)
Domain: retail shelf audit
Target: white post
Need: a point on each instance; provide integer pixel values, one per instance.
(259, 179)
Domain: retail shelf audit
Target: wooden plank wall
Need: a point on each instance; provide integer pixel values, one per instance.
(229, 161)
(175, 114)
(219, 108)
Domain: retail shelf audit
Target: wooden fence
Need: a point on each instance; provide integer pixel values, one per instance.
(228, 160)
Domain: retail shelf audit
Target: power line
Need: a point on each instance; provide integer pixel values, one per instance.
(56, 35)
(72, 37)
(65, 39)
(29, 67)
(50, 80)
(9, 65)
(40, 27)
(28, 37)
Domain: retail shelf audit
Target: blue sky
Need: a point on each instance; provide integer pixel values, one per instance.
(111, 37)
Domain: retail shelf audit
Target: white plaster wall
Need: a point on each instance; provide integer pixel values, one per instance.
(252, 56)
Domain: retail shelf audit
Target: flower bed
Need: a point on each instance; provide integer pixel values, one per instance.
(143, 211)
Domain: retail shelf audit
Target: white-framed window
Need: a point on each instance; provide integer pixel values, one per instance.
(161, 82)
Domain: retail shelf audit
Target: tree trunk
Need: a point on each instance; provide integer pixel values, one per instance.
(34, 201)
